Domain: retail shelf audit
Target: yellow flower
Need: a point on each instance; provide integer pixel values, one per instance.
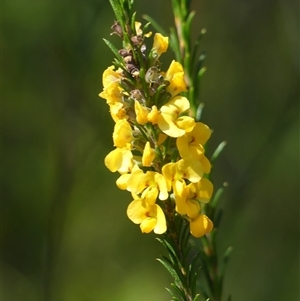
(139, 31)
(160, 44)
(123, 180)
(200, 225)
(201, 191)
(151, 184)
(191, 143)
(189, 197)
(169, 120)
(110, 76)
(117, 111)
(174, 173)
(120, 159)
(148, 155)
(150, 217)
(153, 115)
(112, 91)
(205, 164)
(175, 76)
(141, 113)
(122, 134)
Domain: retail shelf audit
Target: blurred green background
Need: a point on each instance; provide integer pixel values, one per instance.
(65, 234)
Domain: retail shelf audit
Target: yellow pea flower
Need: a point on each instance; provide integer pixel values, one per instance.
(141, 113)
(120, 160)
(189, 197)
(175, 76)
(122, 135)
(191, 170)
(200, 225)
(153, 115)
(148, 155)
(139, 31)
(169, 120)
(191, 143)
(151, 184)
(112, 91)
(201, 191)
(123, 181)
(160, 44)
(205, 163)
(150, 217)
(110, 75)
(117, 111)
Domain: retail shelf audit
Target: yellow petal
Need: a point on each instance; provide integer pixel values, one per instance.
(168, 126)
(136, 212)
(119, 160)
(148, 225)
(153, 115)
(201, 133)
(175, 75)
(162, 186)
(206, 190)
(200, 226)
(169, 171)
(160, 44)
(180, 103)
(177, 84)
(148, 155)
(192, 208)
(141, 113)
(180, 193)
(186, 123)
(117, 111)
(122, 181)
(109, 76)
(161, 224)
(150, 195)
(122, 134)
(182, 144)
(190, 169)
(206, 164)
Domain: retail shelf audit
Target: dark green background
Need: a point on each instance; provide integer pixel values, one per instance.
(65, 234)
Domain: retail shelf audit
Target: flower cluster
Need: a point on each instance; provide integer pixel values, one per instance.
(159, 148)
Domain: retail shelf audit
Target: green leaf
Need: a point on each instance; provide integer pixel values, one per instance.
(113, 49)
(193, 269)
(179, 291)
(170, 269)
(197, 43)
(146, 27)
(133, 18)
(118, 11)
(200, 62)
(218, 151)
(218, 217)
(226, 258)
(155, 25)
(196, 297)
(217, 196)
(174, 43)
(172, 294)
(188, 24)
(170, 249)
(199, 111)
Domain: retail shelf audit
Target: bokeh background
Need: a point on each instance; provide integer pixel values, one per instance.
(65, 234)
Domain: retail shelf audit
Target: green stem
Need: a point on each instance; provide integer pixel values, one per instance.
(173, 235)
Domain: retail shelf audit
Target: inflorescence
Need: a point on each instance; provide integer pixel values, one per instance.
(159, 147)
